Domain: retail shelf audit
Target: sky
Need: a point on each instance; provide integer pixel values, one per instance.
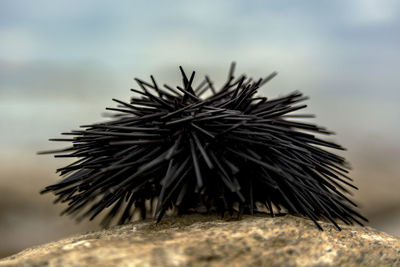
(62, 61)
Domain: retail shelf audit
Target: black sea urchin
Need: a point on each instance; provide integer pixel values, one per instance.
(232, 150)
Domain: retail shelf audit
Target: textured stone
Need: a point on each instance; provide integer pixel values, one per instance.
(200, 240)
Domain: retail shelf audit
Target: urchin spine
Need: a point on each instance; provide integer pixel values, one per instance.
(179, 148)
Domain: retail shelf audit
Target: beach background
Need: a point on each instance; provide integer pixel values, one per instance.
(61, 62)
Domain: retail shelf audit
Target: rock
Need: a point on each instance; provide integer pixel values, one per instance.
(205, 240)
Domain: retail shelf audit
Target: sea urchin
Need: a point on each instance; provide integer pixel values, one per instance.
(229, 151)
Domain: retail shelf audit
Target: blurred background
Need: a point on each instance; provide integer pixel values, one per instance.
(61, 62)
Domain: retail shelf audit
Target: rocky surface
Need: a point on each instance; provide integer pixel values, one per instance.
(200, 240)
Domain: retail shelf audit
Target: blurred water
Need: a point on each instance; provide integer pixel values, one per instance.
(61, 62)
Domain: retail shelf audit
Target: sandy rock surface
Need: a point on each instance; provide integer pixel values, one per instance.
(206, 240)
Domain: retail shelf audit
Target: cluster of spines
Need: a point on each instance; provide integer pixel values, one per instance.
(230, 150)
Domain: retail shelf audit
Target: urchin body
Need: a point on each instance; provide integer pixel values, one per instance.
(229, 151)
